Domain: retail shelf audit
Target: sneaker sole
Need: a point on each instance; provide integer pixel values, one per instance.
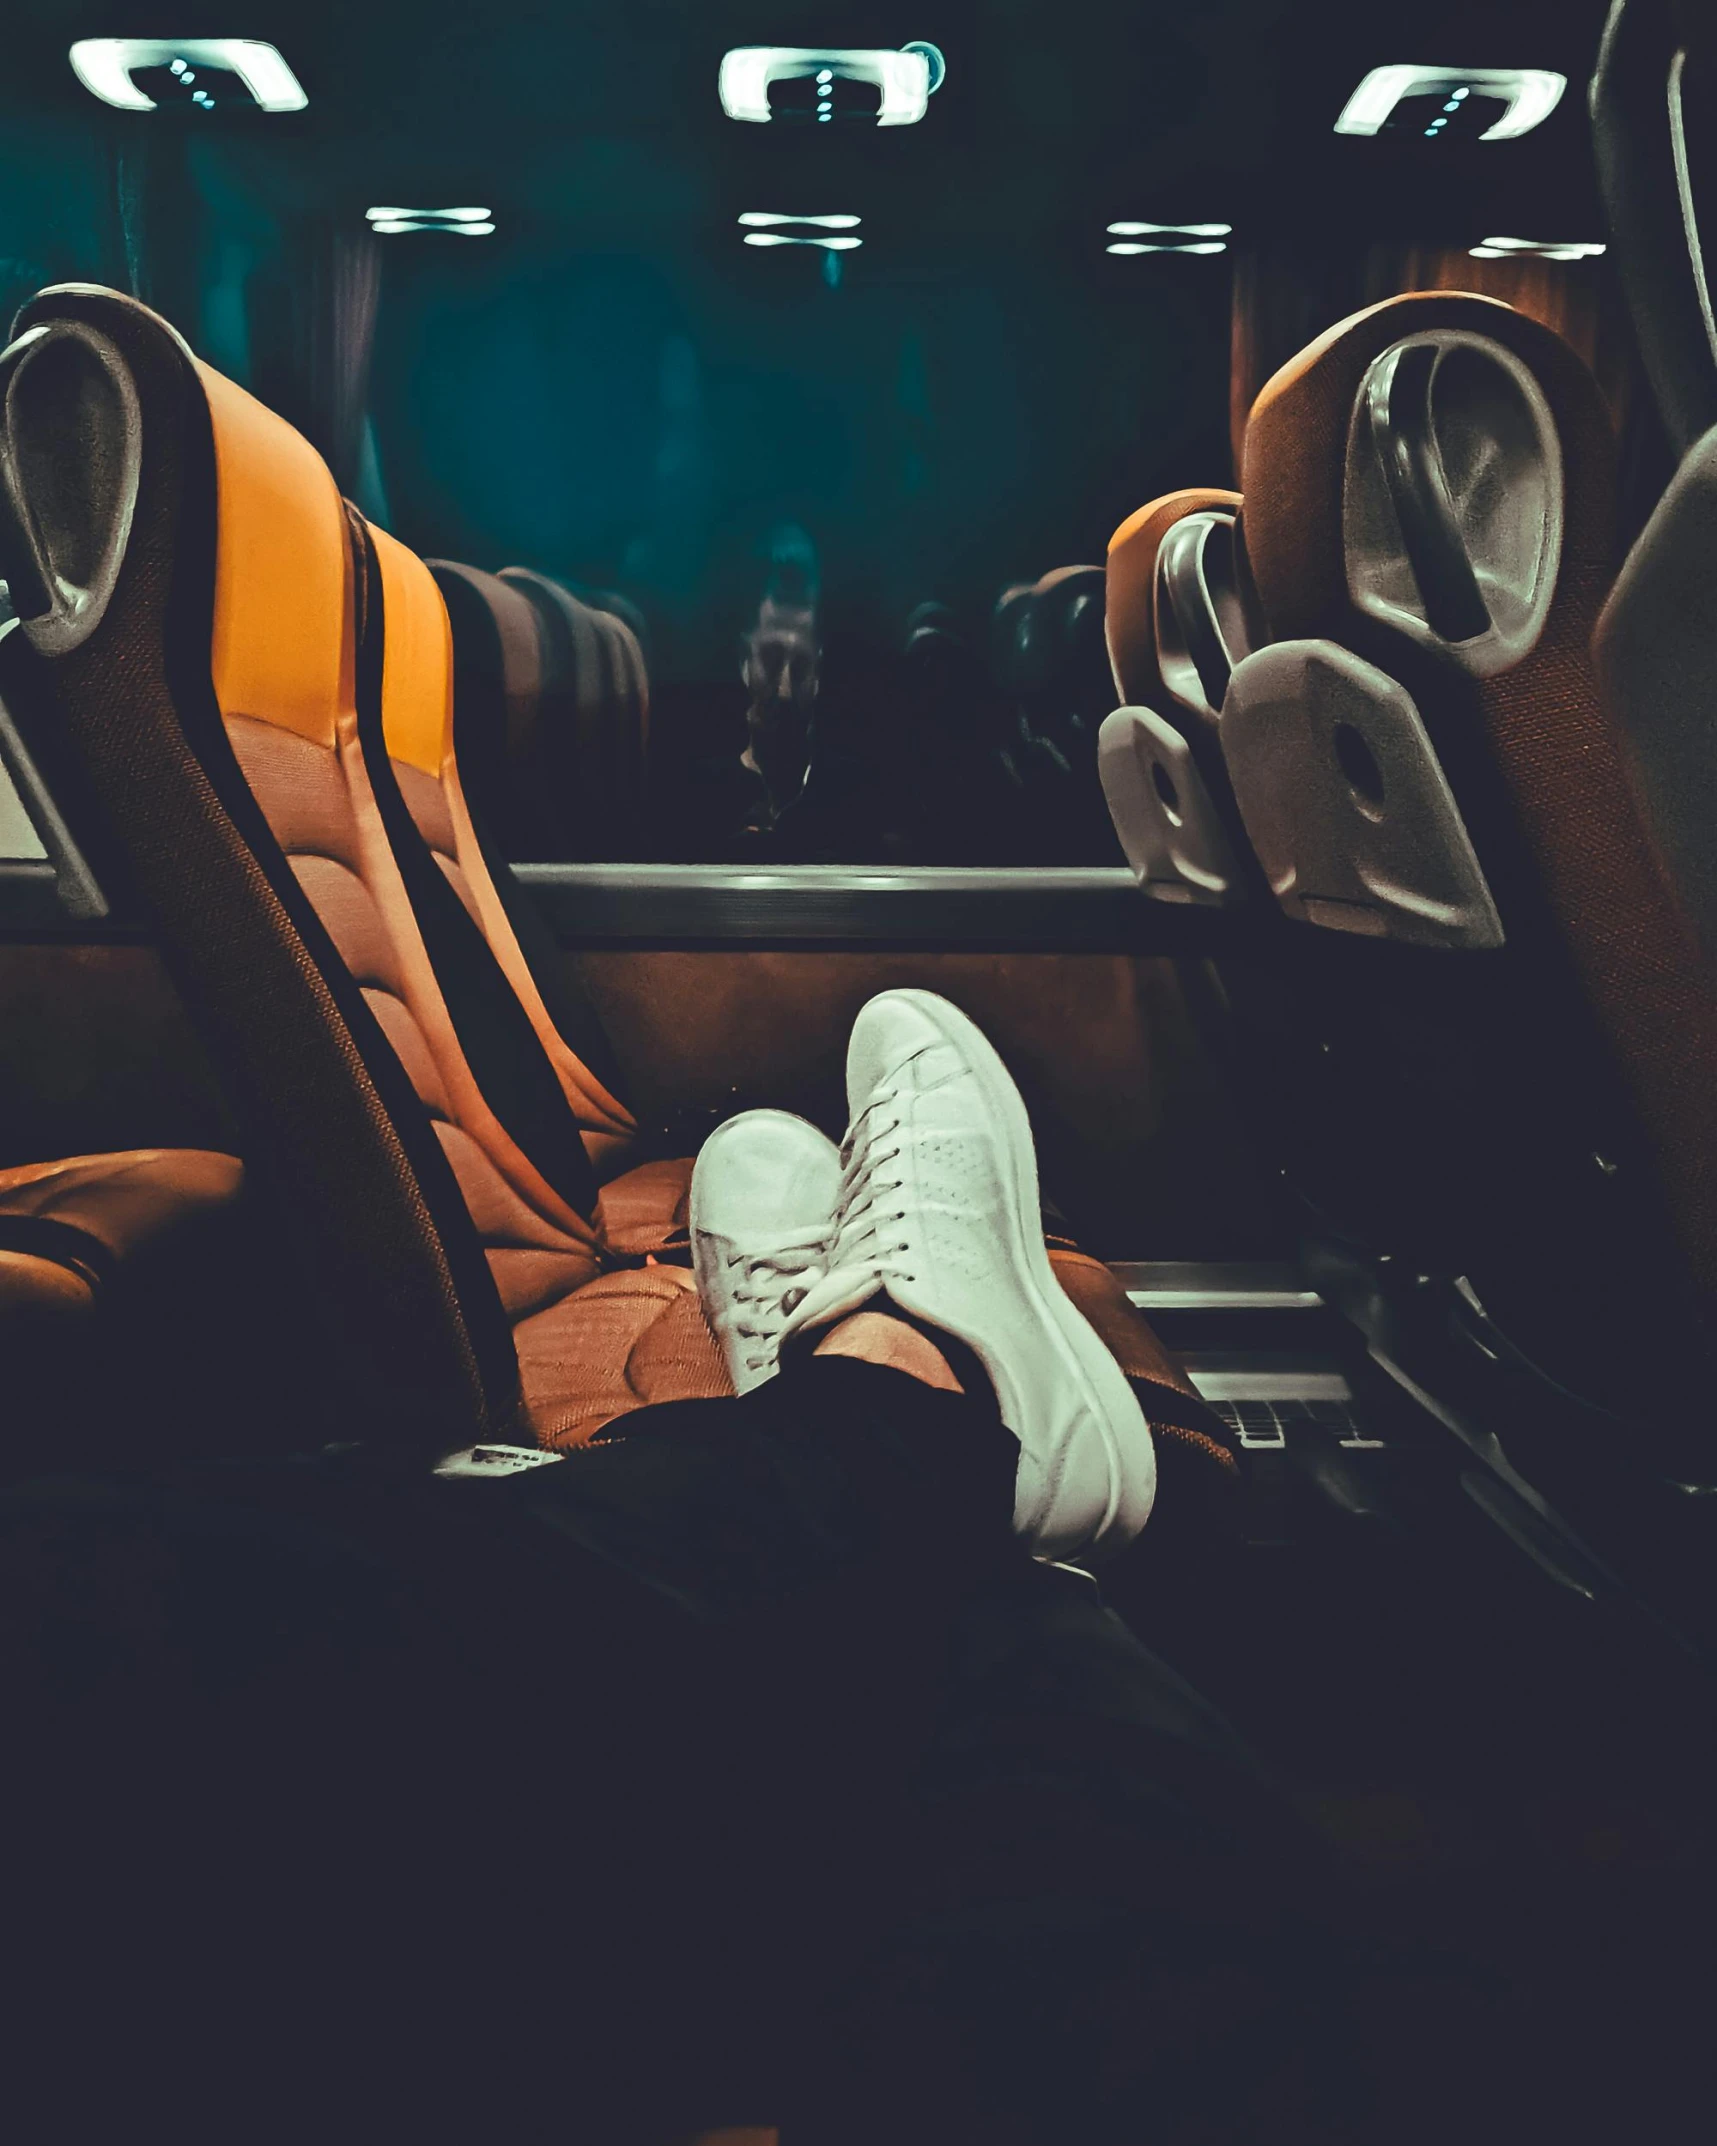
(1129, 1451)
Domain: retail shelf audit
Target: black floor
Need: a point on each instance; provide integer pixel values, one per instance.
(1514, 1766)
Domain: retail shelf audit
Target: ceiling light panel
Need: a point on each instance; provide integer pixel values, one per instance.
(1130, 236)
(902, 80)
(457, 223)
(1529, 95)
(791, 238)
(1537, 249)
(1139, 230)
(105, 66)
(832, 233)
(764, 217)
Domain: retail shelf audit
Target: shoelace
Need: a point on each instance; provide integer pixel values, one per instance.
(771, 1291)
(862, 1220)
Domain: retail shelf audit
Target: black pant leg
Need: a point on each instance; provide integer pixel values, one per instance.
(1064, 1901)
(1115, 1929)
(415, 1797)
(739, 1768)
(835, 1475)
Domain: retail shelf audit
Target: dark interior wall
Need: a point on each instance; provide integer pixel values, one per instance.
(61, 188)
(1142, 1141)
(97, 1052)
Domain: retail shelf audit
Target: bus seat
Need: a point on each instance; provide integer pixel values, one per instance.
(552, 711)
(498, 659)
(201, 626)
(67, 1226)
(644, 1206)
(1177, 623)
(1134, 558)
(114, 1316)
(1431, 522)
(603, 742)
(190, 630)
(415, 763)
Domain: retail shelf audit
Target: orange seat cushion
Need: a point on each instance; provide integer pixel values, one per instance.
(643, 1207)
(621, 1342)
(124, 1206)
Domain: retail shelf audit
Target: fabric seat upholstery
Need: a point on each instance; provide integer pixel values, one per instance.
(552, 709)
(421, 756)
(223, 666)
(594, 719)
(67, 1227)
(224, 690)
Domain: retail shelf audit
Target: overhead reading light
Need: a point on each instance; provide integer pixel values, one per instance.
(904, 81)
(463, 223)
(790, 238)
(826, 223)
(1530, 94)
(1137, 230)
(806, 231)
(105, 65)
(1537, 249)
(1134, 237)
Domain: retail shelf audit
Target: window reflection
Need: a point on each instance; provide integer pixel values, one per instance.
(861, 527)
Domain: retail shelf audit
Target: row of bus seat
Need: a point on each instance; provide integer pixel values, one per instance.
(255, 690)
(1376, 711)
(1491, 1046)
(973, 743)
(552, 697)
(999, 729)
(1003, 726)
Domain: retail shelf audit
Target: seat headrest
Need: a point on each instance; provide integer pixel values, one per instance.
(1007, 636)
(1653, 195)
(614, 605)
(931, 614)
(944, 674)
(1413, 475)
(1066, 589)
(1130, 605)
(77, 454)
(498, 648)
(417, 659)
(283, 648)
(1041, 630)
(1054, 625)
(574, 642)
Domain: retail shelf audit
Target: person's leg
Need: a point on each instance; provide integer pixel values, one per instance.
(1101, 1925)
(488, 1797)
(1111, 1927)
(662, 1797)
(1006, 1874)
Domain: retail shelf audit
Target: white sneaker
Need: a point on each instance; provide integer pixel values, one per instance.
(938, 1209)
(763, 1187)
